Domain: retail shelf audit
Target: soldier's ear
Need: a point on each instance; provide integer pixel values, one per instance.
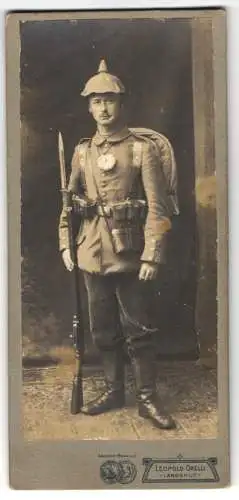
(89, 105)
(122, 101)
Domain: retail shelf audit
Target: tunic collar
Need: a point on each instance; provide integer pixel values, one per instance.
(116, 137)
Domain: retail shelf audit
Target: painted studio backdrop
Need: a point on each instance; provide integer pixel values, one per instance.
(167, 70)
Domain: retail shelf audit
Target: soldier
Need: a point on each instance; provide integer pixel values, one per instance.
(120, 193)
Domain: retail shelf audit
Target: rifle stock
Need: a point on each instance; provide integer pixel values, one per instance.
(77, 324)
(77, 388)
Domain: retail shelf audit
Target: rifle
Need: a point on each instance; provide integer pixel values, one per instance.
(77, 324)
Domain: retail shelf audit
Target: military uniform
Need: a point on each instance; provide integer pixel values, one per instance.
(135, 176)
(125, 214)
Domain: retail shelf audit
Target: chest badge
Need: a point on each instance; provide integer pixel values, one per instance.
(106, 162)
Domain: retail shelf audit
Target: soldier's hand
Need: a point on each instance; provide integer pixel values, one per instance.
(66, 255)
(148, 271)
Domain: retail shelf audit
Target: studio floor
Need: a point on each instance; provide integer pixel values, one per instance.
(188, 390)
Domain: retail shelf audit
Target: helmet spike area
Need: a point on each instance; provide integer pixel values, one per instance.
(103, 82)
(102, 67)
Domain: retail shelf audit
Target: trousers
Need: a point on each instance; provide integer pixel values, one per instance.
(121, 310)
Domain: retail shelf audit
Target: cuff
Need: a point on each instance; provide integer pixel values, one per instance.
(152, 251)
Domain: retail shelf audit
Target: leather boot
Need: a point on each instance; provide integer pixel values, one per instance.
(149, 405)
(113, 397)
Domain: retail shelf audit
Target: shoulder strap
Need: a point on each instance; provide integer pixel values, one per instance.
(137, 153)
(82, 151)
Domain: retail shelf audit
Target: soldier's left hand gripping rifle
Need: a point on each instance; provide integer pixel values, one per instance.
(78, 331)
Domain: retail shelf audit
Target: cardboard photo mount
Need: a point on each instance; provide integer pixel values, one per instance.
(133, 463)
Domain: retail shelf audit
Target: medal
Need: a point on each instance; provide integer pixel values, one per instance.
(106, 162)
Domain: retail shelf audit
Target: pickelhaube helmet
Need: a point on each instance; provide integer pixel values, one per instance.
(103, 82)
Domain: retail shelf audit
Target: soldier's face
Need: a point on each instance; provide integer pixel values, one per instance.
(105, 108)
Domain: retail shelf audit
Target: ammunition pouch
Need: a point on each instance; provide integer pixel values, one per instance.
(129, 210)
(126, 220)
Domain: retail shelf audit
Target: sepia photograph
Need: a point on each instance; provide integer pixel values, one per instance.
(121, 300)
